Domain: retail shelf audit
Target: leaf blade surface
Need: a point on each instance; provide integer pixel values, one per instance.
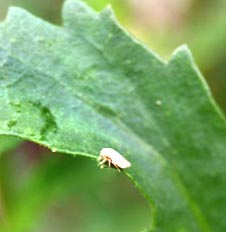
(89, 85)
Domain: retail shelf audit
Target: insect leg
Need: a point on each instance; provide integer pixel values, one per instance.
(109, 163)
(102, 162)
(117, 167)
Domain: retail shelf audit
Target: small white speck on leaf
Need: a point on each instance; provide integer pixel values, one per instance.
(39, 39)
(110, 35)
(128, 61)
(13, 40)
(158, 102)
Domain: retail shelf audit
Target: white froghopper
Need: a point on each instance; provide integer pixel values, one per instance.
(114, 158)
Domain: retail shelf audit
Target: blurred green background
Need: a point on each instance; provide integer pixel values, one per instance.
(41, 191)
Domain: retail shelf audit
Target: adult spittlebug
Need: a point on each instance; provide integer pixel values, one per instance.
(112, 157)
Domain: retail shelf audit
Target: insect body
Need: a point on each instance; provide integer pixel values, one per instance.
(113, 158)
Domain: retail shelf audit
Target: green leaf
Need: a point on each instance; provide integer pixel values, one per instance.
(88, 85)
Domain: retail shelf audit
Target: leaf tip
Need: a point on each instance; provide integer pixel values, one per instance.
(76, 6)
(183, 54)
(108, 10)
(182, 51)
(77, 10)
(13, 12)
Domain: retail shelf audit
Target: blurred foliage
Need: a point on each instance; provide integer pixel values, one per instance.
(7, 143)
(57, 193)
(199, 23)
